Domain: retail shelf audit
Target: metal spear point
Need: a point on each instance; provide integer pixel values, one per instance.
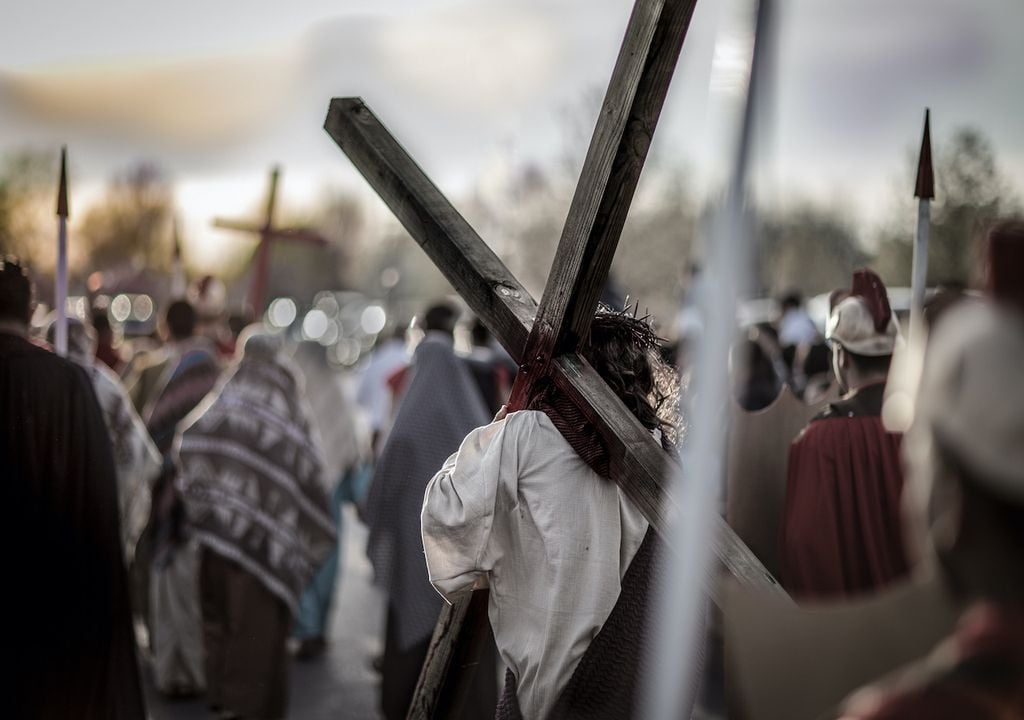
(61, 288)
(908, 360)
(924, 190)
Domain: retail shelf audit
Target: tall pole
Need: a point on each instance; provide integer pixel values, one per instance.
(61, 288)
(683, 604)
(179, 283)
(924, 191)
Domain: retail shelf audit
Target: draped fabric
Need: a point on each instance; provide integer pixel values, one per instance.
(186, 380)
(841, 532)
(137, 459)
(440, 406)
(166, 559)
(135, 455)
(338, 421)
(71, 641)
(251, 477)
(609, 679)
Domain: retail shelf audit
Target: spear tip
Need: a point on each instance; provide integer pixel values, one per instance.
(925, 186)
(62, 190)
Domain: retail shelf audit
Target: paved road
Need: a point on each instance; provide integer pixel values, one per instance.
(340, 684)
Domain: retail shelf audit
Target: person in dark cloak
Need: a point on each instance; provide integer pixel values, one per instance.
(755, 381)
(841, 530)
(439, 405)
(492, 369)
(71, 645)
(106, 352)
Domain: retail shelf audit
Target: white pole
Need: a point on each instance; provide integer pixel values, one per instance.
(919, 273)
(683, 604)
(61, 300)
(61, 289)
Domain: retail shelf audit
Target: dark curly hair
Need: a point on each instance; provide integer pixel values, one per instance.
(626, 352)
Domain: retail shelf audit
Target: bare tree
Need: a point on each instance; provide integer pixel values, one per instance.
(131, 222)
(27, 191)
(809, 249)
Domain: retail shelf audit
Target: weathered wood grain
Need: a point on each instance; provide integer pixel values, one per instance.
(614, 162)
(459, 638)
(644, 470)
(459, 253)
(546, 347)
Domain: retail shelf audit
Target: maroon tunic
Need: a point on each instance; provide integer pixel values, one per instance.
(841, 529)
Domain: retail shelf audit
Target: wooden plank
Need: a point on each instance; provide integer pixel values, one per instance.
(615, 159)
(238, 225)
(466, 261)
(644, 470)
(458, 641)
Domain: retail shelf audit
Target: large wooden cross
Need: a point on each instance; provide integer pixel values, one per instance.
(267, 233)
(543, 339)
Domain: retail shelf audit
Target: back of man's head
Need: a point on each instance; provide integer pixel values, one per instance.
(15, 292)
(441, 317)
(791, 301)
(101, 321)
(871, 366)
(624, 352)
(181, 320)
(479, 333)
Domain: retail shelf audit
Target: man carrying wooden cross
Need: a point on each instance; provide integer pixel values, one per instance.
(526, 504)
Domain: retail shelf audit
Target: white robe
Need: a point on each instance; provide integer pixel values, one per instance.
(518, 506)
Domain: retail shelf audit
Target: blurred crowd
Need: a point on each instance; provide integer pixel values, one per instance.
(183, 497)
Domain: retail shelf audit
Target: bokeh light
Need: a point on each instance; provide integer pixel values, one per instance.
(142, 308)
(314, 325)
(121, 307)
(373, 319)
(282, 312)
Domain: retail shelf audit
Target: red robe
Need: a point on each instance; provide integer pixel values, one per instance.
(841, 528)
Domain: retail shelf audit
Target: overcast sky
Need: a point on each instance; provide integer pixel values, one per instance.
(215, 92)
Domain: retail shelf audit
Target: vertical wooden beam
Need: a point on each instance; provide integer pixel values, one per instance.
(452, 658)
(615, 159)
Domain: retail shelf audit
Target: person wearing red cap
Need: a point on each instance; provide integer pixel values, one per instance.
(841, 532)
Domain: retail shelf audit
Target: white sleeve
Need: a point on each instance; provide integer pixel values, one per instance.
(458, 510)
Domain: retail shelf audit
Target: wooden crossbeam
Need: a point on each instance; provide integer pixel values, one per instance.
(466, 261)
(544, 339)
(638, 464)
(267, 233)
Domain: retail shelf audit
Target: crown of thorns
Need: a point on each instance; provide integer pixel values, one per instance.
(626, 325)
